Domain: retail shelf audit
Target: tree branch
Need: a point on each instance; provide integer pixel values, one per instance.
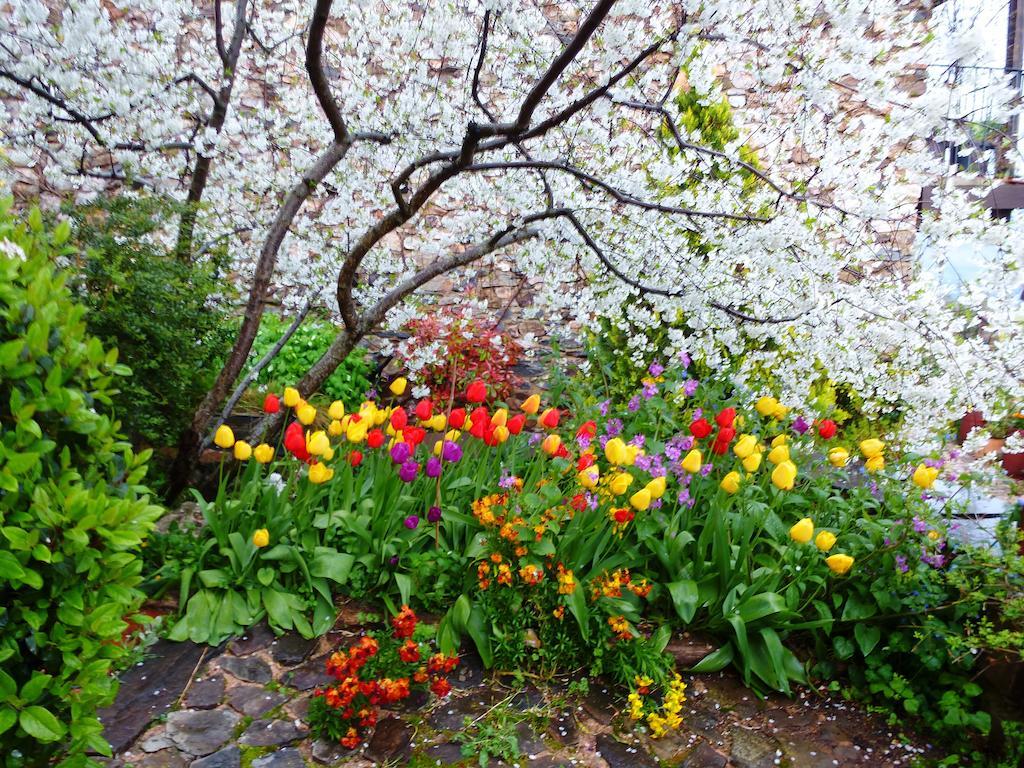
(317, 78)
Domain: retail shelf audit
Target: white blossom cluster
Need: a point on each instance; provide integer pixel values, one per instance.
(797, 275)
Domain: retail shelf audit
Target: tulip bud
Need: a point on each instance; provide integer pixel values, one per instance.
(549, 418)
(438, 423)
(827, 429)
(263, 453)
(337, 410)
(752, 462)
(640, 500)
(825, 540)
(875, 464)
(588, 477)
(291, 397)
(838, 457)
(839, 564)
(784, 475)
(693, 461)
(657, 487)
(500, 418)
(531, 405)
(615, 451)
(730, 483)
(766, 405)
(271, 404)
(802, 532)
(871, 448)
(924, 476)
(501, 433)
(780, 411)
(476, 392)
(551, 444)
(778, 454)
(224, 437)
(306, 414)
(780, 440)
(397, 387)
(261, 538)
(243, 451)
(620, 482)
(320, 473)
(745, 446)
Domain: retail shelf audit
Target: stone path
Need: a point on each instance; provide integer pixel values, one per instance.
(245, 708)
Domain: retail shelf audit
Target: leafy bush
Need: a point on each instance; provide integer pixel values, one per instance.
(348, 383)
(165, 315)
(72, 510)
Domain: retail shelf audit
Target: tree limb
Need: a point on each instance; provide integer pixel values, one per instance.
(317, 78)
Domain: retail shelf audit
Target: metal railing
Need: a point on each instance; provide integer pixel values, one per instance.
(980, 100)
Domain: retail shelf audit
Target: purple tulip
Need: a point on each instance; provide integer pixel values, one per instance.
(400, 453)
(393, 561)
(408, 471)
(411, 522)
(451, 452)
(433, 467)
(800, 425)
(434, 515)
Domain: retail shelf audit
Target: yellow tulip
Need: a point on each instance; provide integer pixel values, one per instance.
(500, 418)
(640, 500)
(780, 411)
(317, 443)
(263, 453)
(306, 414)
(224, 437)
(398, 386)
(825, 540)
(337, 410)
(453, 435)
(291, 397)
(356, 431)
(619, 482)
(730, 483)
(778, 454)
(766, 405)
(924, 476)
(871, 448)
(261, 538)
(632, 451)
(838, 457)
(752, 462)
(328, 454)
(875, 464)
(380, 415)
(657, 487)
(243, 451)
(839, 564)
(501, 433)
(784, 475)
(588, 477)
(320, 473)
(439, 422)
(692, 461)
(335, 429)
(531, 404)
(745, 446)
(551, 444)
(802, 532)
(615, 451)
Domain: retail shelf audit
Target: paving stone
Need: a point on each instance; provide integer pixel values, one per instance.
(530, 742)
(206, 693)
(309, 675)
(600, 704)
(155, 739)
(751, 749)
(528, 698)
(688, 650)
(416, 701)
(673, 746)
(283, 758)
(291, 648)
(705, 756)
(619, 755)
(254, 700)
(251, 669)
(200, 732)
(548, 761)
(165, 758)
(328, 752)
(448, 715)
(563, 729)
(445, 753)
(470, 673)
(150, 689)
(256, 638)
(298, 708)
(390, 741)
(271, 733)
(229, 757)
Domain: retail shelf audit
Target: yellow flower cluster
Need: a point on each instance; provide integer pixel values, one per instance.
(873, 450)
(803, 531)
(661, 724)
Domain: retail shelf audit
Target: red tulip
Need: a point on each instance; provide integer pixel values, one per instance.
(827, 429)
(414, 435)
(720, 447)
(586, 460)
(476, 392)
(562, 452)
(375, 439)
(477, 429)
(489, 438)
(424, 410)
(295, 441)
(457, 418)
(271, 404)
(479, 416)
(588, 428)
(549, 418)
(399, 419)
(355, 458)
(516, 423)
(700, 428)
(725, 417)
(725, 435)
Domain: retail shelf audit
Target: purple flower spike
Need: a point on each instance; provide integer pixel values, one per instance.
(634, 404)
(411, 522)
(408, 471)
(451, 452)
(684, 359)
(706, 470)
(800, 425)
(400, 453)
(433, 466)
(690, 387)
(656, 368)
(434, 515)
(603, 407)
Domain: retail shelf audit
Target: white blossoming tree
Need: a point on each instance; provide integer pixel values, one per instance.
(316, 141)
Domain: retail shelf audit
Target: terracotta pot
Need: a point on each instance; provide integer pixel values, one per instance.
(971, 420)
(1013, 463)
(994, 445)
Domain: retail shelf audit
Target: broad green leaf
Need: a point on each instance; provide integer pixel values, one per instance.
(685, 596)
(330, 564)
(39, 723)
(867, 636)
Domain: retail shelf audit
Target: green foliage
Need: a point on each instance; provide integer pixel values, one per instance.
(165, 315)
(348, 383)
(495, 736)
(72, 509)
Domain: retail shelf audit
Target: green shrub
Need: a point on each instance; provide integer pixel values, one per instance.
(349, 381)
(71, 510)
(165, 315)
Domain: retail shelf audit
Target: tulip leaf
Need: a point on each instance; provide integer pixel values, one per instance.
(761, 605)
(685, 597)
(578, 606)
(715, 661)
(404, 586)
